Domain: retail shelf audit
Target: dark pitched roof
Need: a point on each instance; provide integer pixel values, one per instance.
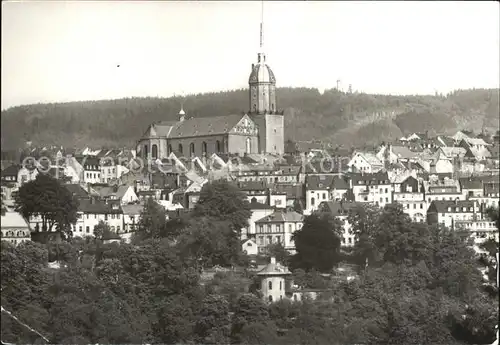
(376, 178)
(253, 185)
(12, 170)
(281, 216)
(442, 206)
(77, 190)
(203, 126)
(338, 208)
(315, 182)
(93, 206)
(293, 191)
(255, 205)
(470, 183)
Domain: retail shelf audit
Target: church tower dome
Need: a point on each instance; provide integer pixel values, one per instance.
(263, 108)
(261, 72)
(262, 82)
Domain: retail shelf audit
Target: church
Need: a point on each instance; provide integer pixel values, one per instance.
(260, 130)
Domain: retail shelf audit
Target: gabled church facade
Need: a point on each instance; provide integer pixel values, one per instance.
(261, 130)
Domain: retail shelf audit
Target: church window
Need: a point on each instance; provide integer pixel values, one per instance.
(146, 151)
(169, 149)
(180, 148)
(218, 146)
(191, 149)
(154, 151)
(204, 147)
(270, 285)
(248, 146)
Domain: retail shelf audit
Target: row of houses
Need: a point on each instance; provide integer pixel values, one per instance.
(280, 189)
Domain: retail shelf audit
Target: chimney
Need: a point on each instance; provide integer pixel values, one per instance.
(273, 260)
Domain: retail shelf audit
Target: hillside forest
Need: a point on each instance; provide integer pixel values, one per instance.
(349, 119)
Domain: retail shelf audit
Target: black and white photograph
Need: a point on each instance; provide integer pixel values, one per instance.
(250, 172)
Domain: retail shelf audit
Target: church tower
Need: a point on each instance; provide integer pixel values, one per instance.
(263, 107)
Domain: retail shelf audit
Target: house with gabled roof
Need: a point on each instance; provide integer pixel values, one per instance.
(278, 227)
(448, 212)
(365, 162)
(395, 154)
(372, 188)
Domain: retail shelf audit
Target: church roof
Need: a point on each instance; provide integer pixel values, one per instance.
(193, 127)
(262, 73)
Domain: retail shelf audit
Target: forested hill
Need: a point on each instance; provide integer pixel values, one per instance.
(337, 117)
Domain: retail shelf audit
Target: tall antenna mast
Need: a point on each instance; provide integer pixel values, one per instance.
(262, 26)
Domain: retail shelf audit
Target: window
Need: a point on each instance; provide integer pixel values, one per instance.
(191, 149)
(204, 148)
(278, 227)
(248, 146)
(290, 228)
(386, 199)
(87, 216)
(421, 205)
(154, 151)
(324, 196)
(414, 206)
(387, 190)
(268, 228)
(180, 148)
(169, 149)
(270, 298)
(87, 229)
(270, 285)
(350, 240)
(261, 240)
(281, 287)
(113, 229)
(80, 229)
(261, 228)
(312, 201)
(218, 146)
(278, 239)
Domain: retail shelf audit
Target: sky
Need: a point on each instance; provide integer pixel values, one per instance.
(70, 51)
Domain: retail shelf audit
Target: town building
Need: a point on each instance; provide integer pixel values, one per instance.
(278, 227)
(14, 228)
(260, 130)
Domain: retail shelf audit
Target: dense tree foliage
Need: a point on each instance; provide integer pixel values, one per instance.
(343, 118)
(423, 286)
(317, 243)
(47, 198)
(224, 201)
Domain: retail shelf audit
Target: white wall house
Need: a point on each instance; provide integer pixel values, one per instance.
(278, 228)
(365, 162)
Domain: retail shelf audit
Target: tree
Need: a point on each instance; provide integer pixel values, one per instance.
(363, 219)
(101, 230)
(211, 242)
(317, 243)
(279, 252)
(297, 206)
(152, 221)
(48, 198)
(249, 309)
(224, 201)
(398, 239)
(212, 326)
